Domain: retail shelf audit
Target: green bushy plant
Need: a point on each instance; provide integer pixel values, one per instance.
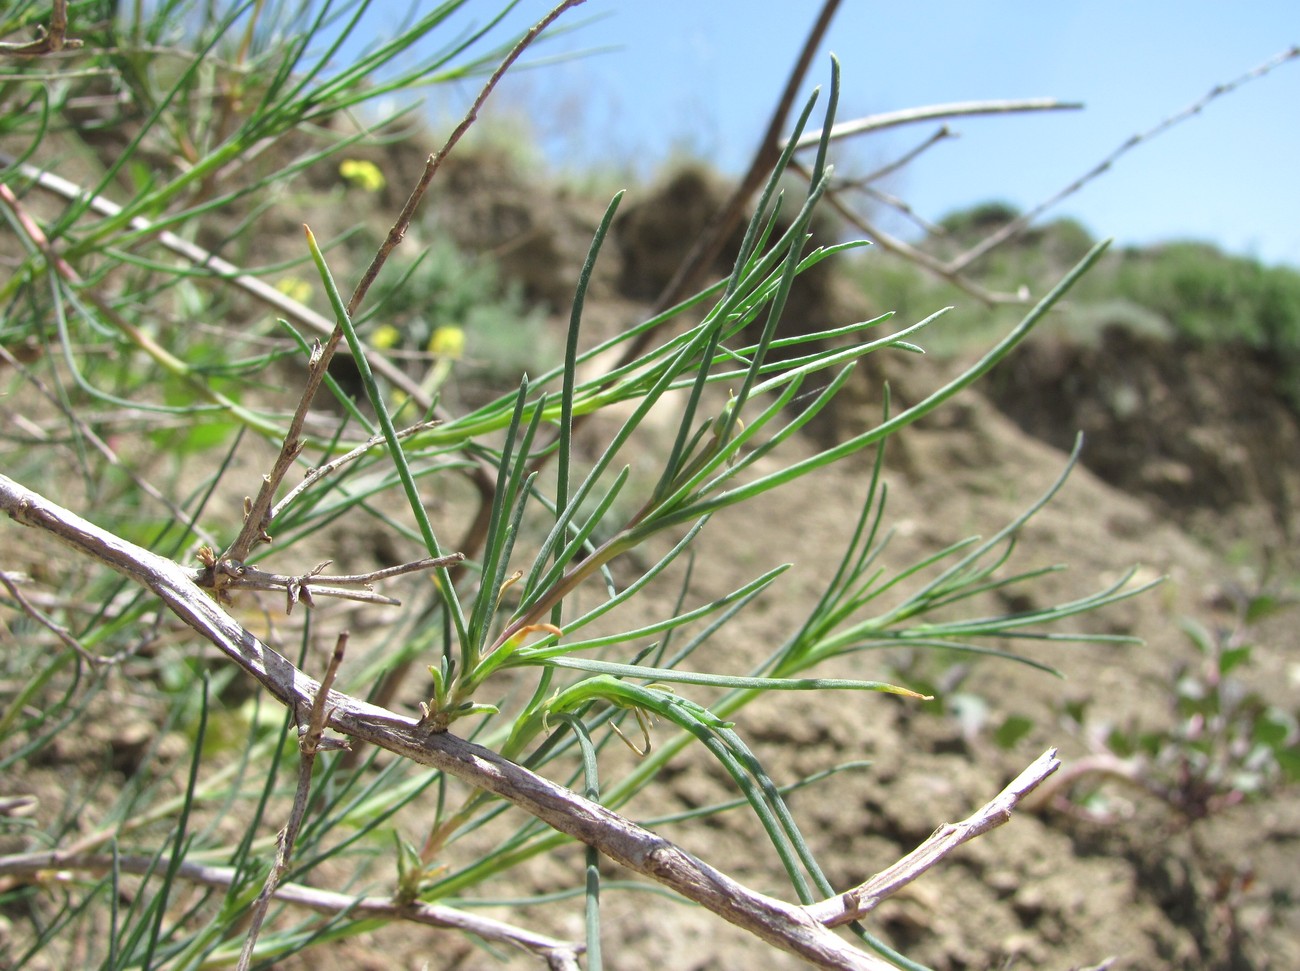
(123, 374)
(1188, 290)
(1210, 297)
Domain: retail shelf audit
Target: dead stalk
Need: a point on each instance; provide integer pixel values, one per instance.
(309, 742)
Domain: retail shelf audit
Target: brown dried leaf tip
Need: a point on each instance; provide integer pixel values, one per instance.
(217, 574)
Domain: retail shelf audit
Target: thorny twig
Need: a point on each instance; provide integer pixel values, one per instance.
(257, 511)
(221, 574)
(787, 926)
(309, 742)
(49, 41)
(1019, 224)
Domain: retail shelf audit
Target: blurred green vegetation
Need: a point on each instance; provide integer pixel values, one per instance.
(1183, 290)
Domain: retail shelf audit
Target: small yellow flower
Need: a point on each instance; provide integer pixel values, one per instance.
(294, 288)
(385, 336)
(448, 342)
(364, 175)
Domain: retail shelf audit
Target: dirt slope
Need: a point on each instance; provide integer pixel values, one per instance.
(1140, 883)
(1137, 882)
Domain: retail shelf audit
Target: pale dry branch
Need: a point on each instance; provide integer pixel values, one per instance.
(53, 866)
(901, 207)
(954, 270)
(783, 925)
(910, 116)
(942, 133)
(690, 273)
(916, 255)
(865, 183)
(861, 900)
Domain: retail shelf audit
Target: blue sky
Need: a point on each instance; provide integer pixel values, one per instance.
(701, 75)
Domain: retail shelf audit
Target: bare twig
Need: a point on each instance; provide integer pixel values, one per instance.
(901, 207)
(224, 574)
(915, 255)
(434, 162)
(941, 133)
(315, 475)
(910, 116)
(861, 900)
(309, 742)
(954, 271)
(57, 629)
(49, 41)
(783, 925)
(257, 511)
(1019, 224)
(102, 447)
(54, 865)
